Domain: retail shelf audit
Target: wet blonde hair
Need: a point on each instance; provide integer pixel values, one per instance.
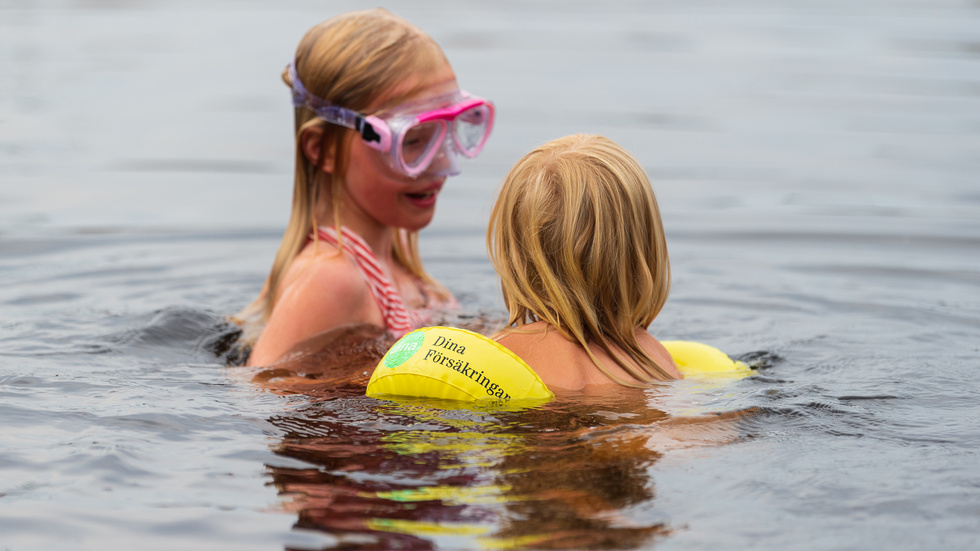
(577, 239)
(349, 60)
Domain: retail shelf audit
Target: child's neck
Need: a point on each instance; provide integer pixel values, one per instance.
(379, 238)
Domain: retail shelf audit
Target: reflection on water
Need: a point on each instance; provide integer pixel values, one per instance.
(421, 476)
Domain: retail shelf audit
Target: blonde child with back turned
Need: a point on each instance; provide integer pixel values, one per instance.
(577, 240)
(379, 124)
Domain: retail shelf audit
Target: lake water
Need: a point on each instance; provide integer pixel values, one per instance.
(816, 165)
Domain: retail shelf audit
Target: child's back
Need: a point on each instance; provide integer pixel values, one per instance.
(577, 239)
(564, 364)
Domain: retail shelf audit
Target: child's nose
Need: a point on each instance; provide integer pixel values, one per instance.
(445, 162)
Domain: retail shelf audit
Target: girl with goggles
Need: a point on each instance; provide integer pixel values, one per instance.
(349, 256)
(412, 135)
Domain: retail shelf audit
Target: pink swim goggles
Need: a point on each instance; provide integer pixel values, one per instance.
(413, 135)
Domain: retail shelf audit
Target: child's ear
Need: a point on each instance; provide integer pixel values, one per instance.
(311, 140)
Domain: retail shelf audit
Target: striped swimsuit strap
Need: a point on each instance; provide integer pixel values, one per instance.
(398, 319)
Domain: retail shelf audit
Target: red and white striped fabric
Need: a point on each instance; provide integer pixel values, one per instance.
(398, 319)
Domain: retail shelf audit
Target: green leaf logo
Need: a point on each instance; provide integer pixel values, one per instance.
(404, 349)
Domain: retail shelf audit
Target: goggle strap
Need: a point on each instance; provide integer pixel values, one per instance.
(337, 115)
(329, 112)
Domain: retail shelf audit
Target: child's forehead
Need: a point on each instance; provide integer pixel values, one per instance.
(421, 105)
(416, 89)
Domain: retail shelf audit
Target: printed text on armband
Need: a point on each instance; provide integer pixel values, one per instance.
(463, 367)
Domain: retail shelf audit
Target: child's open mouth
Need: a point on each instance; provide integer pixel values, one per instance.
(421, 195)
(423, 199)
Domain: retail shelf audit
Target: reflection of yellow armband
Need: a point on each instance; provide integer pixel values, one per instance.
(694, 359)
(454, 364)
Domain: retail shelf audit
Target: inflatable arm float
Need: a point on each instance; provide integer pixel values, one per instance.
(455, 364)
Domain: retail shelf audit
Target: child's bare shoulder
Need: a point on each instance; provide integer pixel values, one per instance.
(324, 267)
(527, 341)
(558, 361)
(657, 351)
(324, 290)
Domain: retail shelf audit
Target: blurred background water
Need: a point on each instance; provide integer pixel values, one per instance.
(816, 168)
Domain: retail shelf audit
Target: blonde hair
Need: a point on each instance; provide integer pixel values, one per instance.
(577, 239)
(349, 60)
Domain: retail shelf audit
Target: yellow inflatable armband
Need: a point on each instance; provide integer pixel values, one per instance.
(454, 364)
(694, 359)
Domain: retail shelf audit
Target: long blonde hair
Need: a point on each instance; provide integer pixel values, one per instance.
(349, 60)
(577, 239)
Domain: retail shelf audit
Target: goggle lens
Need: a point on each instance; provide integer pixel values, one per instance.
(471, 128)
(420, 140)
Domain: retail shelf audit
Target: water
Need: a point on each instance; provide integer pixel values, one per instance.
(815, 164)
